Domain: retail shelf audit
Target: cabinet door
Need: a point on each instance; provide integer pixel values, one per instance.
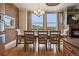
(1, 49)
(2, 8)
(69, 19)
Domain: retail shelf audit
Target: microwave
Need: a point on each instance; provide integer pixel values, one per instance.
(1, 25)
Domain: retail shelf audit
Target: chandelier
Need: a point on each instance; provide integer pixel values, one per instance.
(39, 12)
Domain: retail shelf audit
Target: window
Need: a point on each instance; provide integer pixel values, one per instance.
(51, 21)
(37, 22)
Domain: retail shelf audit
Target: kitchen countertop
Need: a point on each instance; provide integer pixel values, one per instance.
(72, 41)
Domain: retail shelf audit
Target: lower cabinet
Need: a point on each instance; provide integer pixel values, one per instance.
(1, 50)
(70, 50)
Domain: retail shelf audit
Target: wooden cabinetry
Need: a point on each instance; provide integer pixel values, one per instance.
(70, 50)
(73, 21)
(1, 49)
(69, 19)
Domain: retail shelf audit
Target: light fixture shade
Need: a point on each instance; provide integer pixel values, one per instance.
(39, 12)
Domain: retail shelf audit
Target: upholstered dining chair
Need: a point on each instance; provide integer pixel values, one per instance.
(55, 39)
(42, 38)
(19, 37)
(29, 38)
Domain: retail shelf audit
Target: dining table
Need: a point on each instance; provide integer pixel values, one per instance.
(36, 36)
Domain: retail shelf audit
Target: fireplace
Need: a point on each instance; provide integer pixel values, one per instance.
(75, 32)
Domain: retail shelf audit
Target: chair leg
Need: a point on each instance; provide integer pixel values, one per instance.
(33, 47)
(50, 46)
(59, 47)
(16, 42)
(25, 45)
(38, 47)
(20, 39)
(56, 47)
(46, 46)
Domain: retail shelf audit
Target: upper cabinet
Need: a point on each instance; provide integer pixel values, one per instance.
(2, 8)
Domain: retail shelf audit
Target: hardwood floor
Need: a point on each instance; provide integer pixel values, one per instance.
(19, 51)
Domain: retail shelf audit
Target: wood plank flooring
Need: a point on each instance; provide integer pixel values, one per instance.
(19, 51)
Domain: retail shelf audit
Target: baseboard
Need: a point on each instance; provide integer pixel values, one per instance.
(10, 45)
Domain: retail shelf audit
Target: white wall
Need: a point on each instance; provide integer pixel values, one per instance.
(22, 20)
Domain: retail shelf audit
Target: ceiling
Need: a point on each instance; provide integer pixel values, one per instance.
(43, 6)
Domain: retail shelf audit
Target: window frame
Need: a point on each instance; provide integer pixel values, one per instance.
(32, 24)
(44, 21)
(56, 20)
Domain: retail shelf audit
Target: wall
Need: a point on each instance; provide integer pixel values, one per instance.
(11, 10)
(22, 20)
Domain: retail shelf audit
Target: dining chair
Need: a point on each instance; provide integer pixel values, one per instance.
(19, 37)
(55, 39)
(29, 38)
(42, 38)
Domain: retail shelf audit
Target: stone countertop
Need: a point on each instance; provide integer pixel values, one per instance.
(72, 41)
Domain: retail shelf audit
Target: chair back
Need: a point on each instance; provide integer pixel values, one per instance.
(18, 32)
(29, 35)
(42, 35)
(54, 36)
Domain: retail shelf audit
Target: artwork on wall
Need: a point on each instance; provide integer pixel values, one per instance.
(9, 22)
